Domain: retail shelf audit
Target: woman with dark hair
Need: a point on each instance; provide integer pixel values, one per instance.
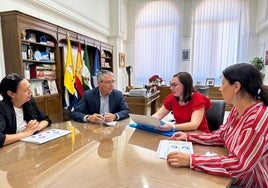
(245, 133)
(19, 115)
(188, 106)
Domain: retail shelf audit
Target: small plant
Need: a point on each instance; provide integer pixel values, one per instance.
(155, 80)
(258, 62)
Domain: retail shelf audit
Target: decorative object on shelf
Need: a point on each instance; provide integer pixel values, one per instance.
(185, 55)
(30, 52)
(129, 70)
(43, 39)
(258, 62)
(23, 34)
(37, 55)
(122, 60)
(210, 82)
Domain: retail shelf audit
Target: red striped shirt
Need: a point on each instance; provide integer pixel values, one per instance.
(246, 140)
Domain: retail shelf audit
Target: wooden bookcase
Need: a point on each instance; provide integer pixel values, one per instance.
(31, 49)
(34, 48)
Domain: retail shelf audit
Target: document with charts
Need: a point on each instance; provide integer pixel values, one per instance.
(46, 136)
(167, 146)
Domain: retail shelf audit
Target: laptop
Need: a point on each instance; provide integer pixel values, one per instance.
(145, 120)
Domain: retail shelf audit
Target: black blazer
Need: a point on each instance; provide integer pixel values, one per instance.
(8, 124)
(90, 104)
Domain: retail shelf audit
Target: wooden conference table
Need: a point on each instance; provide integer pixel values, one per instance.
(99, 156)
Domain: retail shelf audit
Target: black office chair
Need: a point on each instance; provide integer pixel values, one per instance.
(215, 114)
(203, 90)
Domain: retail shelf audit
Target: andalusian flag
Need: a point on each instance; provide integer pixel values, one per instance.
(69, 69)
(78, 73)
(86, 71)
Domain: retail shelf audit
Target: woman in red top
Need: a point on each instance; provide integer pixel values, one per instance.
(244, 134)
(188, 106)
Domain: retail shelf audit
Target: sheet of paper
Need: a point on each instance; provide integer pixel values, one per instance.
(46, 136)
(167, 146)
(112, 123)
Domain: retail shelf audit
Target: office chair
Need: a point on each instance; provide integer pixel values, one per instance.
(203, 90)
(215, 114)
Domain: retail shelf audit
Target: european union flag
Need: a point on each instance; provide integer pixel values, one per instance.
(96, 67)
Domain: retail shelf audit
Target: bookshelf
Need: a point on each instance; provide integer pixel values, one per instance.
(31, 49)
(35, 48)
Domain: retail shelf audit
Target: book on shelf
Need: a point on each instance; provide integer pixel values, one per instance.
(43, 71)
(46, 87)
(52, 86)
(38, 88)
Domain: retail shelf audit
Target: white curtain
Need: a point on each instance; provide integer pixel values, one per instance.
(157, 40)
(220, 36)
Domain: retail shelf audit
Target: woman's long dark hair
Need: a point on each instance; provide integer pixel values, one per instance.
(250, 78)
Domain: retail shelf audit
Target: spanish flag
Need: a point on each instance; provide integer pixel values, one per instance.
(69, 69)
(78, 73)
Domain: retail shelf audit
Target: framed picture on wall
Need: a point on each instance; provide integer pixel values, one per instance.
(210, 82)
(122, 60)
(185, 55)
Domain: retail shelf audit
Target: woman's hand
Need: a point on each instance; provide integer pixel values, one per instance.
(165, 127)
(178, 159)
(179, 136)
(33, 126)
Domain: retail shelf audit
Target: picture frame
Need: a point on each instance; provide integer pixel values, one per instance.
(185, 55)
(210, 82)
(122, 60)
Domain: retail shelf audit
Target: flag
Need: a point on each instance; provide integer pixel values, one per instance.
(69, 69)
(86, 71)
(96, 62)
(78, 73)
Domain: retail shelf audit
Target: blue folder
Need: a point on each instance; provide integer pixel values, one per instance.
(152, 129)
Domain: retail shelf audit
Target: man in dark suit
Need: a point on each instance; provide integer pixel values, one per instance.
(103, 103)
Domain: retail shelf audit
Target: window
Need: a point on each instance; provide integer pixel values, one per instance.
(157, 39)
(220, 32)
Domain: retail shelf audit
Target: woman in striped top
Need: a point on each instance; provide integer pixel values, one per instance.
(244, 133)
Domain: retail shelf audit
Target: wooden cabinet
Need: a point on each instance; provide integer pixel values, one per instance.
(164, 91)
(143, 105)
(31, 49)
